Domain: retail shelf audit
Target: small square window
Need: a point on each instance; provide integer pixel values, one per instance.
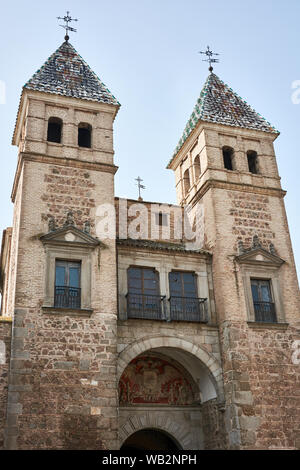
(161, 219)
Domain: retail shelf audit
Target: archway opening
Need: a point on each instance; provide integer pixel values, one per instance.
(150, 439)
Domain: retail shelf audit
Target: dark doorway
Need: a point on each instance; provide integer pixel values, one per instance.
(149, 439)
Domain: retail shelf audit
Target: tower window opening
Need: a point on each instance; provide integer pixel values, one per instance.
(54, 130)
(84, 135)
(228, 155)
(186, 181)
(252, 161)
(197, 167)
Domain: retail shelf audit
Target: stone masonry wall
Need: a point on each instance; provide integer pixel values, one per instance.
(5, 340)
(251, 216)
(214, 432)
(69, 188)
(261, 382)
(63, 389)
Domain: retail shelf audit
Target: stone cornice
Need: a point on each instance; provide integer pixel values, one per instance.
(61, 161)
(127, 246)
(233, 186)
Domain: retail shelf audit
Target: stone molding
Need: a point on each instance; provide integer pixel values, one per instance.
(234, 186)
(61, 161)
(145, 344)
(157, 421)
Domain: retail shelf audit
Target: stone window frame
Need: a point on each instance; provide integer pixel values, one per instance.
(264, 270)
(67, 250)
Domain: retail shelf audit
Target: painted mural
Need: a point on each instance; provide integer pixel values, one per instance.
(154, 380)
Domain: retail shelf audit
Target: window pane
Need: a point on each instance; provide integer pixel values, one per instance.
(60, 276)
(265, 293)
(135, 272)
(149, 274)
(150, 284)
(74, 277)
(188, 278)
(175, 284)
(190, 289)
(254, 289)
(135, 283)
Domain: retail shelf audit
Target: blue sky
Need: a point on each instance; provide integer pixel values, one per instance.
(146, 52)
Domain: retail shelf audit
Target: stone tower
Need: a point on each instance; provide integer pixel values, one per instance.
(64, 132)
(225, 163)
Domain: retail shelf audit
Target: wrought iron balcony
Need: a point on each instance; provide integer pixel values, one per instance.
(150, 307)
(67, 297)
(265, 312)
(155, 307)
(188, 309)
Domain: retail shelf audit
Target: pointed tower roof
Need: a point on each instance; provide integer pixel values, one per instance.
(66, 73)
(219, 104)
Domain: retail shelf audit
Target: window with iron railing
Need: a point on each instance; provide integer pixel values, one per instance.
(67, 284)
(185, 305)
(143, 297)
(144, 300)
(264, 306)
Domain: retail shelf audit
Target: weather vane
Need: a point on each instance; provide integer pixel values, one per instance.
(140, 186)
(67, 19)
(209, 59)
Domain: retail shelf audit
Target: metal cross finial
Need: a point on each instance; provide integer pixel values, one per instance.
(140, 186)
(67, 19)
(209, 54)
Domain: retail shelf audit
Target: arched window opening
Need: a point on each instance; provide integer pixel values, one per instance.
(84, 135)
(197, 167)
(252, 161)
(228, 155)
(186, 181)
(54, 130)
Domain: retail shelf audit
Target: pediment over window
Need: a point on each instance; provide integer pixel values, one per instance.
(260, 256)
(70, 236)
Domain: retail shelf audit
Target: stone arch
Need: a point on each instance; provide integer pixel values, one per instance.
(210, 363)
(153, 420)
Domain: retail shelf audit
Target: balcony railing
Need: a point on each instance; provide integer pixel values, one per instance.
(67, 297)
(188, 309)
(265, 312)
(145, 306)
(156, 307)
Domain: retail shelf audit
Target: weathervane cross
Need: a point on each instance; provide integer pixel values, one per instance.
(140, 186)
(209, 59)
(67, 19)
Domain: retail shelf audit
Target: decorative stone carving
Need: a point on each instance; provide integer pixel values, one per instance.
(87, 226)
(51, 224)
(241, 248)
(70, 219)
(256, 242)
